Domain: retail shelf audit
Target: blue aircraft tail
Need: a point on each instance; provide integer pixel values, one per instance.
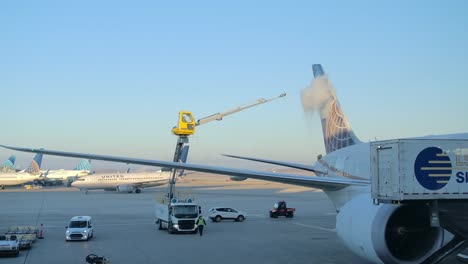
(84, 165)
(9, 164)
(337, 133)
(35, 166)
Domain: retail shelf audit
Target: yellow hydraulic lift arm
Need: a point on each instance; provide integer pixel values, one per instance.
(186, 123)
(186, 126)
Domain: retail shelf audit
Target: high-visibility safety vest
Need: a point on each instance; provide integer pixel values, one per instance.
(201, 221)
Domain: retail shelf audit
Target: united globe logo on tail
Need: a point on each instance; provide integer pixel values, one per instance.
(33, 168)
(433, 168)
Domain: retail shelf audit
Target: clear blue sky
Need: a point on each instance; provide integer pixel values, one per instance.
(109, 77)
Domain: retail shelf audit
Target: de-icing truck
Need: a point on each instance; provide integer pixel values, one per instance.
(178, 215)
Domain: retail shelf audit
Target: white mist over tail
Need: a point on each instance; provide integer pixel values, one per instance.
(318, 96)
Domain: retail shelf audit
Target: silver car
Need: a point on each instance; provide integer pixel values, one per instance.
(219, 213)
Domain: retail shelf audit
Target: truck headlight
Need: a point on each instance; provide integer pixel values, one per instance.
(85, 231)
(68, 232)
(176, 226)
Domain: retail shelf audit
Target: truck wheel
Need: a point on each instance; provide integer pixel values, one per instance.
(160, 225)
(217, 218)
(291, 215)
(240, 218)
(170, 229)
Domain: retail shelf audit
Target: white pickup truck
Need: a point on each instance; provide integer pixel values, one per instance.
(9, 246)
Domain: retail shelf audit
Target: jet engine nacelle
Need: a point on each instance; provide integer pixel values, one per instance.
(235, 178)
(388, 233)
(125, 188)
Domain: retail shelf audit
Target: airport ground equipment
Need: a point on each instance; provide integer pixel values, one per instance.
(173, 213)
(9, 245)
(26, 235)
(95, 259)
(186, 126)
(280, 209)
(25, 240)
(179, 216)
(186, 123)
(426, 173)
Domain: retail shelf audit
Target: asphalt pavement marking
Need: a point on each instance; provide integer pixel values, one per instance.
(315, 227)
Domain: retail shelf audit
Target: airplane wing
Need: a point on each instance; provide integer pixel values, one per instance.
(281, 163)
(306, 181)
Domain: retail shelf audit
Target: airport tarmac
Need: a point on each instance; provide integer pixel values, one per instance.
(125, 231)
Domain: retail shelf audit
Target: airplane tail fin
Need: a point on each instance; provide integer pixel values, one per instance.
(9, 164)
(84, 165)
(337, 132)
(35, 166)
(12, 159)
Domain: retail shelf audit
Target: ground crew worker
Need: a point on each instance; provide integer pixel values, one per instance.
(201, 223)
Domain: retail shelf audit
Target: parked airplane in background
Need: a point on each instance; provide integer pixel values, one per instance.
(30, 174)
(382, 233)
(122, 182)
(67, 176)
(127, 182)
(9, 165)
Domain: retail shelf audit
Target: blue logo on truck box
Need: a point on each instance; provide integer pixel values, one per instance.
(462, 165)
(433, 168)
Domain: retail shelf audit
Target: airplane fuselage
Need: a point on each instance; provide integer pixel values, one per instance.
(16, 178)
(113, 180)
(63, 175)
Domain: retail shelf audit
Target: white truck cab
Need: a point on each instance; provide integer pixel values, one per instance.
(178, 216)
(80, 228)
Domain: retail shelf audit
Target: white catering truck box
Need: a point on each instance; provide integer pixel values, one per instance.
(419, 169)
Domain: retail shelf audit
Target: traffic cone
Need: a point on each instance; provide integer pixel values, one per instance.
(40, 236)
